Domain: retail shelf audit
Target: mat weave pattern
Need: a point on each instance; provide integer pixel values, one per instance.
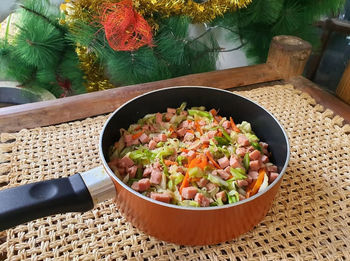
(309, 219)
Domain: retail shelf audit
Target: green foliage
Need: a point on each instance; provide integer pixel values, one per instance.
(12, 67)
(39, 56)
(264, 19)
(134, 67)
(172, 55)
(39, 40)
(171, 40)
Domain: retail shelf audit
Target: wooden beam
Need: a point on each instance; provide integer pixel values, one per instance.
(77, 107)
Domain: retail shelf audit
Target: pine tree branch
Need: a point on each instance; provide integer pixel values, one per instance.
(43, 17)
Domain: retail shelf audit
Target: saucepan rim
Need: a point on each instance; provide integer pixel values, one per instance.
(212, 208)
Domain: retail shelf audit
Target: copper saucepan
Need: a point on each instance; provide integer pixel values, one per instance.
(181, 225)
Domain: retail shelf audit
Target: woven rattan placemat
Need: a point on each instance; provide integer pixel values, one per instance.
(309, 220)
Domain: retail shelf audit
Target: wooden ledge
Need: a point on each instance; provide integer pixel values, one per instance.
(77, 107)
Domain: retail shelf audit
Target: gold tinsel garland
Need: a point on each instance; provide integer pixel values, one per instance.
(86, 10)
(199, 12)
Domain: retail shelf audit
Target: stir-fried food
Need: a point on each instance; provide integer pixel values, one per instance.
(192, 157)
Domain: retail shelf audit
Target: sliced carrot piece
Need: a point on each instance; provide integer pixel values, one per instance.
(213, 112)
(212, 160)
(185, 182)
(169, 162)
(233, 125)
(198, 127)
(255, 187)
(136, 135)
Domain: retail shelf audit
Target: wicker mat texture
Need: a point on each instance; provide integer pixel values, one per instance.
(309, 219)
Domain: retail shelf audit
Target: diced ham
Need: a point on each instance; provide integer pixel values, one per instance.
(202, 123)
(222, 195)
(264, 159)
(121, 171)
(223, 162)
(126, 162)
(241, 151)
(202, 200)
(157, 165)
(191, 125)
(183, 124)
(181, 132)
(211, 134)
(147, 171)
(250, 149)
(210, 186)
(253, 174)
(254, 165)
(152, 145)
(272, 168)
(162, 137)
(249, 179)
(168, 116)
(156, 176)
(145, 127)
(132, 171)
(204, 140)
(241, 197)
(159, 118)
(226, 124)
(189, 192)
(273, 176)
(189, 136)
(144, 138)
(254, 155)
(223, 174)
(228, 169)
(263, 145)
(202, 182)
(163, 197)
(184, 113)
(242, 183)
(181, 170)
(129, 140)
(141, 185)
(242, 140)
(171, 110)
(235, 163)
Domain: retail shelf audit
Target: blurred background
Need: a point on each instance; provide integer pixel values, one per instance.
(235, 39)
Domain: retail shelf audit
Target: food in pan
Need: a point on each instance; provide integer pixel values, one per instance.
(192, 157)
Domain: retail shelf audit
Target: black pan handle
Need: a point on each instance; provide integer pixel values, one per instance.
(77, 193)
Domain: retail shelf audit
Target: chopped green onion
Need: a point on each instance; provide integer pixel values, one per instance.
(256, 146)
(221, 141)
(181, 108)
(139, 173)
(238, 173)
(189, 203)
(200, 113)
(246, 161)
(179, 159)
(233, 196)
(218, 181)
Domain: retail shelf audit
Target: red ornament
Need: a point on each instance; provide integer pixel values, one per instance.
(125, 29)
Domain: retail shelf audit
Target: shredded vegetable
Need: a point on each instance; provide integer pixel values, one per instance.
(192, 158)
